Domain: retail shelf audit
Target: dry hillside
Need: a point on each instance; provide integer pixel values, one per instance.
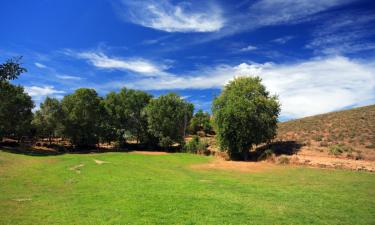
(349, 131)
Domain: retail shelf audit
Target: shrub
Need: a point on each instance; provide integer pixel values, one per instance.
(283, 160)
(195, 145)
(338, 149)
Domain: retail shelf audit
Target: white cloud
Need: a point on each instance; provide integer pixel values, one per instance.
(68, 77)
(305, 88)
(39, 65)
(248, 48)
(39, 93)
(165, 16)
(138, 65)
(282, 40)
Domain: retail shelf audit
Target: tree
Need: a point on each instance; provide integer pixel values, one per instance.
(126, 112)
(11, 69)
(15, 104)
(245, 115)
(200, 122)
(47, 119)
(82, 117)
(15, 111)
(168, 117)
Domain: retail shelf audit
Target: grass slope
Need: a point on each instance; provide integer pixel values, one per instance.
(164, 189)
(354, 128)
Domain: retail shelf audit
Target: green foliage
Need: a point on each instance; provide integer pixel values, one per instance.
(15, 111)
(200, 122)
(196, 145)
(245, 115)
(11, 69)
(168, 117)
(82, 116)
(47, 120)
(126, 113)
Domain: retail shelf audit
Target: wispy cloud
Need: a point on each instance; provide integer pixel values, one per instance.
(248, 48)
(283, 40)
(68, 77)
(169, 17)
(349, 33)
(138, 65)
(40, 65)
(305, 88)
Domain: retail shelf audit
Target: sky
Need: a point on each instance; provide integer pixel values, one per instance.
(317, 56)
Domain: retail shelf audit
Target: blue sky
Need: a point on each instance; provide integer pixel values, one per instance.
(317, 56)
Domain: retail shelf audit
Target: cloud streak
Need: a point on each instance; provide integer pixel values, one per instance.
(165, 16)
(138, 65)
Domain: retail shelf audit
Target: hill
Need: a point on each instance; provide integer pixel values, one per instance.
(337, 132)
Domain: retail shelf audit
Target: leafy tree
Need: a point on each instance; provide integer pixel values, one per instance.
(168, 117)
(11, 69)
(15, 104)
(15, 111)
(47, 119)
(126, 112)
(82, 117)
(245, 115)
(200, 122)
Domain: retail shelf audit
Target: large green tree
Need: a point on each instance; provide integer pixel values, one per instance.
(245, 114)
(47, 119)
(168, 117)
(126, 111)
(82, 117)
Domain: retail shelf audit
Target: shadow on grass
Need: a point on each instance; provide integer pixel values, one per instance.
(54, 150)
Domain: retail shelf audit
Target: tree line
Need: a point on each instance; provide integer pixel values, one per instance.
(244, 114)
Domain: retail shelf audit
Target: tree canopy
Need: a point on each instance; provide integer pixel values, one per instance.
(245, 114)
(168, 117)
(200, 122)
(82, 115)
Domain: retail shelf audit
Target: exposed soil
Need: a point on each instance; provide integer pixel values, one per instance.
(246, 167)
(315, 158)
(99, 161)
(77, 168)
(150, 153)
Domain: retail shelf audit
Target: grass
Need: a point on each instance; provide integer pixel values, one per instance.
(164, 189)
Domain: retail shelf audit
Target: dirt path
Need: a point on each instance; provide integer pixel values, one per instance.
(246, 167)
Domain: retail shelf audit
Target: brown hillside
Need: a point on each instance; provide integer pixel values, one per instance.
(351, 130)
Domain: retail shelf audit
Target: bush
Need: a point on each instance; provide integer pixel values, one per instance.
(283, 160)
(338, 149)
(195, 145)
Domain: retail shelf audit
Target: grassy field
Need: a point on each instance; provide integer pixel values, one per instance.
(164, 189)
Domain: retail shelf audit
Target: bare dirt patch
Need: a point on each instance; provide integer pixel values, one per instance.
(99, 162)
(316, 158)
(77, 168)
(246, 167)
(150, 153)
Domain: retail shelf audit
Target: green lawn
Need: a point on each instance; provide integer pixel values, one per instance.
(164, 189)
